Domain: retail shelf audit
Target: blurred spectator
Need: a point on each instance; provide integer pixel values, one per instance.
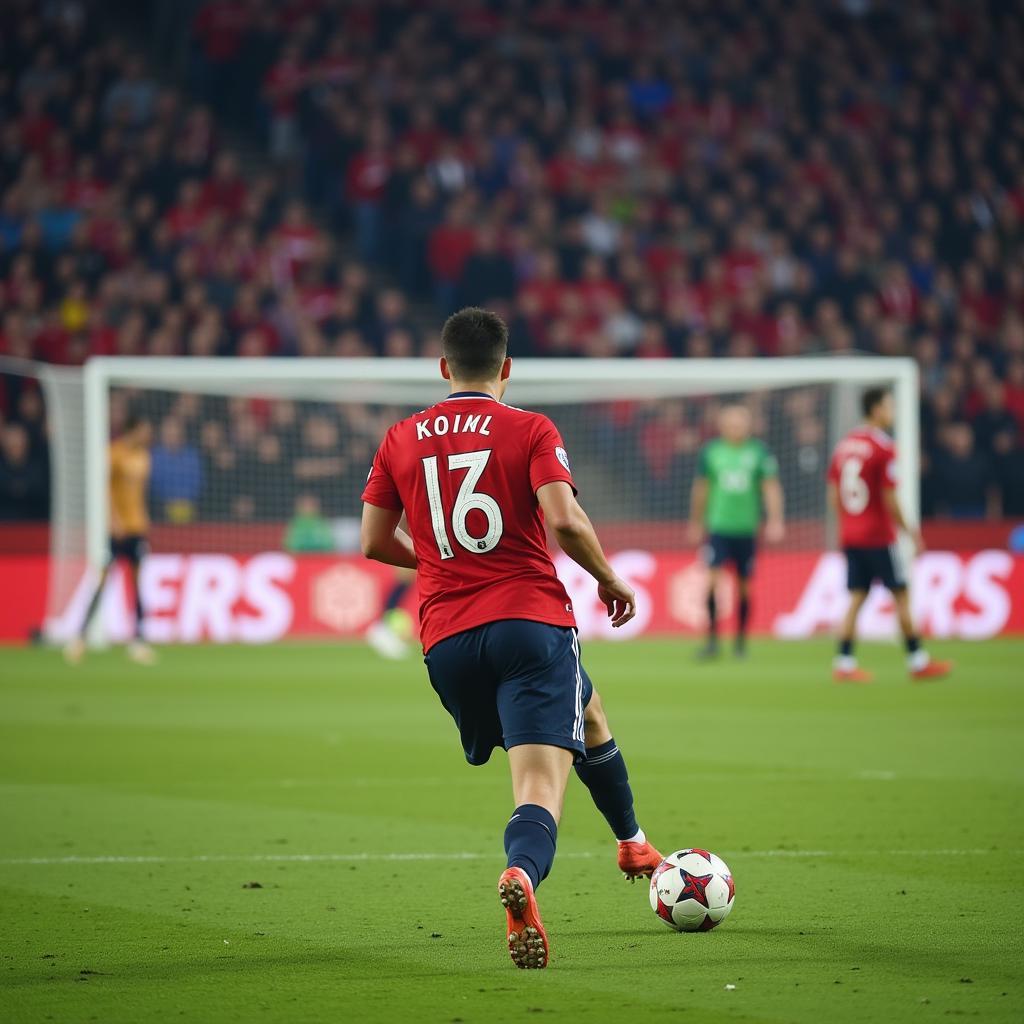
(177, 474)
(993, 418)
(1009, 474)
(130, 100)
(488, 276)
(308, 530)
(281, 89)
(449, 249)
(24, 480)
(962, 477)
(321, 462)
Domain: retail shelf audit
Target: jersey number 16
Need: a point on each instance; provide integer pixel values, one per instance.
(466, 501)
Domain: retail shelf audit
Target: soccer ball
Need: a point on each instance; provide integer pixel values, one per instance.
(692, 890)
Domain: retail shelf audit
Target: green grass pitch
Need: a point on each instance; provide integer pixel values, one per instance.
(875, 833)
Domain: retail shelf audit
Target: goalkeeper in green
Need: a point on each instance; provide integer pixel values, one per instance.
(737, 485)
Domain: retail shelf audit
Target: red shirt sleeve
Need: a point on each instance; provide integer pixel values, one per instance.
(548, 458)
(380, 489)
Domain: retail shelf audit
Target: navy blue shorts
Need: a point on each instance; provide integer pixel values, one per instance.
(865, 565)
(133, 548)
(512, 682)
(722, 549)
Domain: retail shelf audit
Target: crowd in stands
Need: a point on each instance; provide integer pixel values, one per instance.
(638, 178)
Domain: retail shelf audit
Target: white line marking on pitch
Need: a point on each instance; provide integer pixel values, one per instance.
(314, 858)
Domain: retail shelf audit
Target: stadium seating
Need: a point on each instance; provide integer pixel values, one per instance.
(727, 179)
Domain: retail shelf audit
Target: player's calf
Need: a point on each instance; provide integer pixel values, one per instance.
(605, 776)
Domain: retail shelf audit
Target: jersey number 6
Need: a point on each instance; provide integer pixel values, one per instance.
(466, 500)
(853, 491)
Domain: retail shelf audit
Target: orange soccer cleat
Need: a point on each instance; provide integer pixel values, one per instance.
(638, 860)
(932, 670)
(852, 675)
(527, 940)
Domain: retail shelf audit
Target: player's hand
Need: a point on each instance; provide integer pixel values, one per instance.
(775, 531)
(694, 533)
(917, 539)
(619, 599)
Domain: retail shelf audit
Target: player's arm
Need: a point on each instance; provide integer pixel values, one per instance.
(576, 536)
(892, 506)
(698, 501)
(383, 540)
(774, 503)
(116, 526)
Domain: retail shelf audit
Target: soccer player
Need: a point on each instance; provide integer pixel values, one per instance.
(862, 492)
(737, 481)
(129, 524)
(477, 481)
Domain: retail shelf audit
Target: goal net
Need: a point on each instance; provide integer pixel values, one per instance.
(258, 467)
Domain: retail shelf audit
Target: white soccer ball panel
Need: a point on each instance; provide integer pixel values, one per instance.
(696, 864)
(719, 865)
(717, 892)
(689, 915)
(668, 886)
(719, 914)
(662, 902)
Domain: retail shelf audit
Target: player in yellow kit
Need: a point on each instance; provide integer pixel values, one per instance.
(129, 529)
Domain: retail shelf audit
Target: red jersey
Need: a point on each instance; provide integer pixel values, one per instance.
(466, 472)
(864, 467)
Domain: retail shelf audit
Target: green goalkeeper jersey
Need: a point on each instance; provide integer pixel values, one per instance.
(734, 473)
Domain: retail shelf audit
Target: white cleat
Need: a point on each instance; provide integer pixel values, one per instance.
(141, 653)
(381, 637)
(74, 651)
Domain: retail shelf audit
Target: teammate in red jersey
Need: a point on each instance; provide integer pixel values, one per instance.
(862, 492)
(477, 481)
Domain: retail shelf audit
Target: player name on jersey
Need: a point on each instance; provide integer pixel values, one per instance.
(855, 446)
(461, 423)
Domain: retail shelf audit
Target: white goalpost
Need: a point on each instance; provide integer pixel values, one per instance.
(632, 428)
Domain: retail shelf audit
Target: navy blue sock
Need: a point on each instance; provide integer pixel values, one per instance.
(140, 615)
(604, 774)
(744, 616)
(530, 837)
(396, 594)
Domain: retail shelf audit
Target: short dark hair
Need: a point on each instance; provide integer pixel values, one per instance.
(872, 398)
(475, 343)
(133, 422)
